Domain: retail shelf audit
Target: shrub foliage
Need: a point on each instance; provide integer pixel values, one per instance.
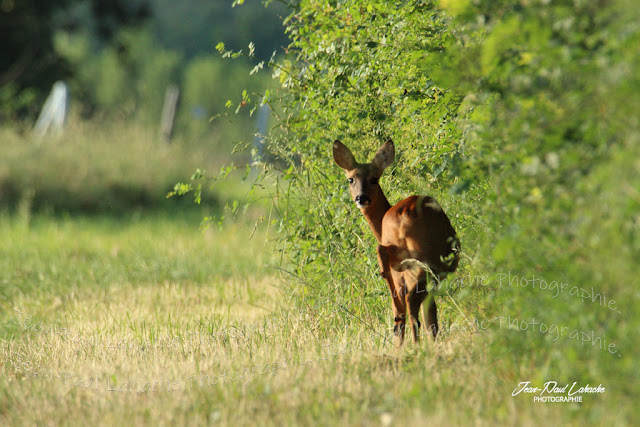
(520, 117)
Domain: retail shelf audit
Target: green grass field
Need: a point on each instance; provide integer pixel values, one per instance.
(147, 319)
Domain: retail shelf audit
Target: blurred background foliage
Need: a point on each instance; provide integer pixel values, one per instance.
(118, 59)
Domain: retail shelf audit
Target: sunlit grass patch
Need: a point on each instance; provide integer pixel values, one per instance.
(277, 367)
(59, 257)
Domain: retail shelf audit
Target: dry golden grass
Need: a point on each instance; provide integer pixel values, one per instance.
(186, 353)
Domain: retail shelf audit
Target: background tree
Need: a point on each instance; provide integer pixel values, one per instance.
(29, 63)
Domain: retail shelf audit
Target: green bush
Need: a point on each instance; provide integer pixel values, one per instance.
(521, 119)
(363, 74)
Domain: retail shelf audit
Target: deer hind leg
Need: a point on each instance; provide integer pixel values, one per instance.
(416, 294)
(432, 317)
(431, 308)
(398, 290)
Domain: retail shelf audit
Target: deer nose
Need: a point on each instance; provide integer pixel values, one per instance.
(363, 200)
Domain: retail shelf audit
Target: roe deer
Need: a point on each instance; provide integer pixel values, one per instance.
(415, 238)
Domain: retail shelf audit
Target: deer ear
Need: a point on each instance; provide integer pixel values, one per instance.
(385, 155)
(342, 155)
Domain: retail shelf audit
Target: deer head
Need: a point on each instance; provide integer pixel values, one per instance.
(364, 177)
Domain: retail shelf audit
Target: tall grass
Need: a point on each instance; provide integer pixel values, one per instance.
(98, 167)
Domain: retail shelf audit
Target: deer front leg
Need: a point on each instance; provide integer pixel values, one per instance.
(396, 287)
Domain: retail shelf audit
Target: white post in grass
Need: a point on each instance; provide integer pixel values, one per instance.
(54, 112)
(169, 112)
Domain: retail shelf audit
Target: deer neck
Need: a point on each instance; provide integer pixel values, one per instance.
(375, 212)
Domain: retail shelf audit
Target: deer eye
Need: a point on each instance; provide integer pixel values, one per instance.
(373, 181)
(350, 180)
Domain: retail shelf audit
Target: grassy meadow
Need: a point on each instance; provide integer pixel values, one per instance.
(119, 306)
(139, 316)
(150, 320)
